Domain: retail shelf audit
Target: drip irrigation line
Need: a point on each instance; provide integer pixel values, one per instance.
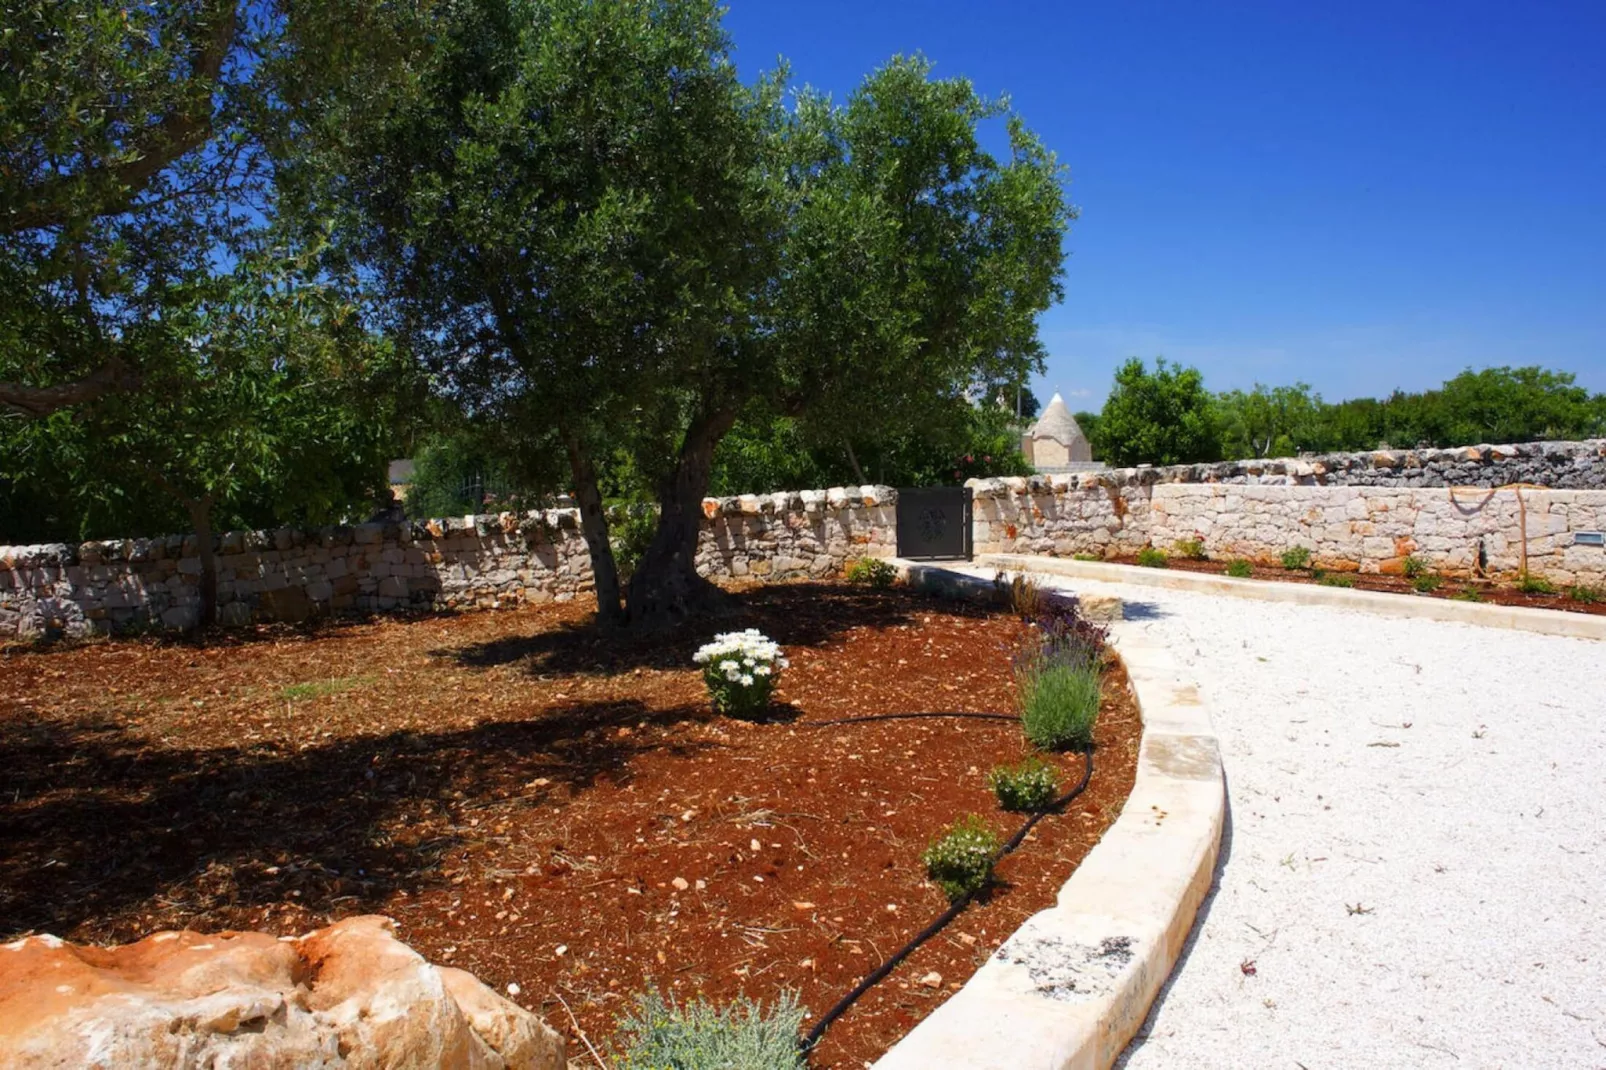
(905, 717)
(957, 907)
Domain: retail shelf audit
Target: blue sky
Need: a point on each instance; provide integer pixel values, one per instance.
(1361, 196)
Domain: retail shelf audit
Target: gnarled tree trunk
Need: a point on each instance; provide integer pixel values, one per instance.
(665, 588)
(594, 528)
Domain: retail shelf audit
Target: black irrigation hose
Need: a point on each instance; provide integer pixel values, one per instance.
(879, 974)
(906, 717)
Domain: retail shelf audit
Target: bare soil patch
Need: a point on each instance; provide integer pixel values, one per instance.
(1485, 590)
(543, 806)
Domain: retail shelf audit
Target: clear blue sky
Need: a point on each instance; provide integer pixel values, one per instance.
(1362, 196)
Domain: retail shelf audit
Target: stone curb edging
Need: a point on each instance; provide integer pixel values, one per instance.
(1516, 618)
(1073, 985)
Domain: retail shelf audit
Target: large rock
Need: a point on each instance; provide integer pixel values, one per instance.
(348, 996)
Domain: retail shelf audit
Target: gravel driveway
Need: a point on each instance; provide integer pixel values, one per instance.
(1415, 870)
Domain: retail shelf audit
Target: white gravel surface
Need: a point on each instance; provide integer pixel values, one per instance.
(1415, 874)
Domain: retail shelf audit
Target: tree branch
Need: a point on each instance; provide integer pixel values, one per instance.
(182, 130)
(38, 401)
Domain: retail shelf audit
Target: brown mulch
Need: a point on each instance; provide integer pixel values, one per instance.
(1487, 590)
(544, 806)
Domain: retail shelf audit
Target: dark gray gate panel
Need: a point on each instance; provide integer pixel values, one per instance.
(934, 522)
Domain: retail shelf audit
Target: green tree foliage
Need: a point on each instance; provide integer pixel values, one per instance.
(264, 402)
(587, 222)
(162, 359)
(1161, 417)
(1493, 405)
(120, 144)
(1268, 421)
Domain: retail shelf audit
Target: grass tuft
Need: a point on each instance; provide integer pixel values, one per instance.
(1240, 569)
(1149, 557)
(1528, 583)
(1193, 549)
(322, 688)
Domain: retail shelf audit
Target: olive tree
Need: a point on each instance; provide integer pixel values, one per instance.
(592, 227)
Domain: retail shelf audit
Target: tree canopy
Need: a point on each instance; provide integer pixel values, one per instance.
(1493, 405)
(594, 232)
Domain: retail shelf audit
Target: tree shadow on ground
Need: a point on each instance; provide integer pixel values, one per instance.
(793, 614)
(102, 829)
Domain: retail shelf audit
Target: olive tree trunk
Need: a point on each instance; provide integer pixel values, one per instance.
(594, 529)
(665, 588)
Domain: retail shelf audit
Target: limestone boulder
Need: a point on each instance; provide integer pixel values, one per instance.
(349, 996)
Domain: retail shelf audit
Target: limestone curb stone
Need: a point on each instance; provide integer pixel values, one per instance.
(1514, 618)
(1073, 985)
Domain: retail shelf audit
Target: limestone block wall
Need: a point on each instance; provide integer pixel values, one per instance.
(1356, 528)
(1560, 465)
(467, 562)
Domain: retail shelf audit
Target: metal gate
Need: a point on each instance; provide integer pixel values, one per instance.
(934, 522)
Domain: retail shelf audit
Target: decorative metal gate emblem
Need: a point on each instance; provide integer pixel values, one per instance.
(934, 522)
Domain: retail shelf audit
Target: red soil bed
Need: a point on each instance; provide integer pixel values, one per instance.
(1486, 590)
(544, 807)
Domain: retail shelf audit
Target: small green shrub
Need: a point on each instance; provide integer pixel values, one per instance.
(1528, 583)
(1029, 786)
(873, 571)
(1588, 595)
(1240, 569)
(1149, 557)
(1336, 579)
(1467, 594)
(1425, 583)
(1086, 557)
(960, 861)
(1059, 700)
(1413, 567)
(661, 1035)
(1193, 549)
(1296, 557)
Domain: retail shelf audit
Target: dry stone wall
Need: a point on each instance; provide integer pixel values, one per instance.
(1560, 465)
(1451, 509)
(1433, 510)
(467, 562)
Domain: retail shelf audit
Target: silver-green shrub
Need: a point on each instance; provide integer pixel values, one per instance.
(663, 1035)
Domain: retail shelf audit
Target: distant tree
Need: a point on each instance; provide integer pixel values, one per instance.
(1027, 402)
(1089, 423)
(764, 452)
(1270, 421)
(1513, 405)
(585, 220)
(1163, 417)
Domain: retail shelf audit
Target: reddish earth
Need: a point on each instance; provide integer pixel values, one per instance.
(1486, 590)
(542, 806)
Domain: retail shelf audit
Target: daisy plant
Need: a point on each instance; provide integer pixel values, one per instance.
(740, 669)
